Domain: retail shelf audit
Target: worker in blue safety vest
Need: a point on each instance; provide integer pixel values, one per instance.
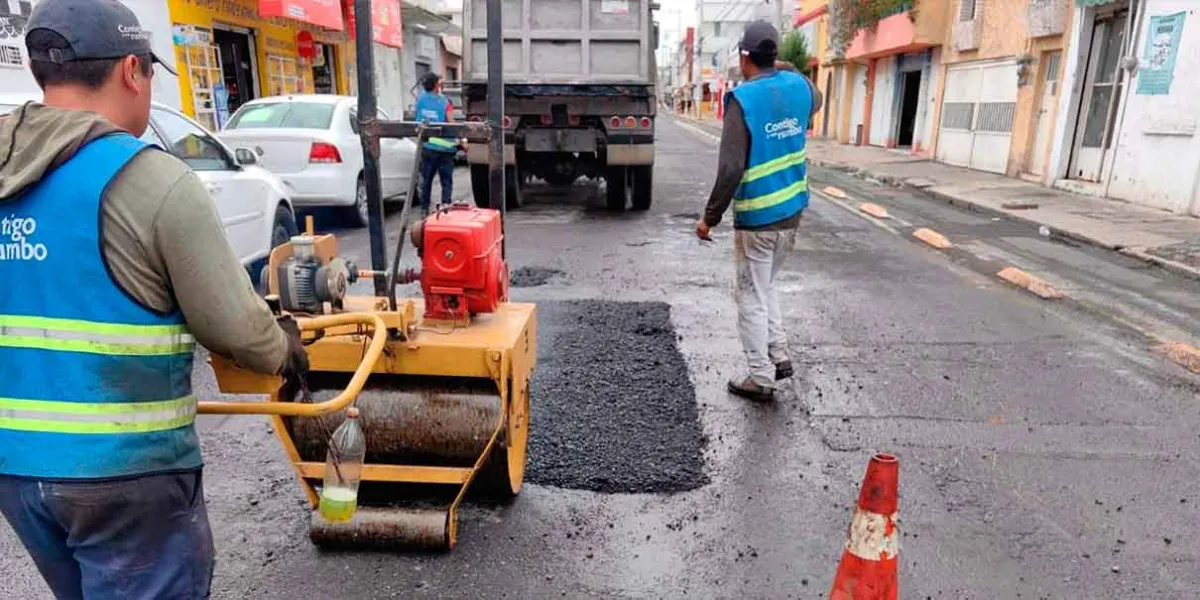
(438, 153)
(762, 172)
(115, 264)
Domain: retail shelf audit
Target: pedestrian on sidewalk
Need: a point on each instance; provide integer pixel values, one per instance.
(438, 153)
(762, 172)
(124, 266)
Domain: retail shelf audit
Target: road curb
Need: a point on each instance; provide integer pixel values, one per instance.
(932, 238)
(1030, 283)
(903, 182)
(1185, 355)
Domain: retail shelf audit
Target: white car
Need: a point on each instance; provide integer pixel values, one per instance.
(311, 142)
(253, 203)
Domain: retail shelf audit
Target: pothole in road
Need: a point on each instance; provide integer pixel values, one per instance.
(613, 408)
(525, 277)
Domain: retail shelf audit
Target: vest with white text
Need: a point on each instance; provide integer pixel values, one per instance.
(774, 186)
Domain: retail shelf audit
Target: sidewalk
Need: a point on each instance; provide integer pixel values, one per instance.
(1166, 239)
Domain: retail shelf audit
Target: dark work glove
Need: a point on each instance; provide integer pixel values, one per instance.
(295, 366)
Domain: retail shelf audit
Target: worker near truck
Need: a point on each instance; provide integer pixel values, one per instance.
(438, 154)
(762, 172)
(100, 466)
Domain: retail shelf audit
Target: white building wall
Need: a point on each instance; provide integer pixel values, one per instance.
(882, 103)
(858, 96)
(923, 131)
(18, 81)
(1156, 155)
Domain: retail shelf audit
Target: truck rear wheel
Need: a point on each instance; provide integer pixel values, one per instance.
(512, 187)
(479, 185)
(617, 181)
(643, 186)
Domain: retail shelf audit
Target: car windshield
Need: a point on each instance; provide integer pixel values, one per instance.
(299, 115)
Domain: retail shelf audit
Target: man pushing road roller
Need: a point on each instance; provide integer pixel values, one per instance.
(100, 467)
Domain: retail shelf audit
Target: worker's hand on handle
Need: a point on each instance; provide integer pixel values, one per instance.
(295, 366)
(703, 231)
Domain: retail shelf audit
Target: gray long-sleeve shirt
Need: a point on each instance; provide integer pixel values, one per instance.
(733, 155)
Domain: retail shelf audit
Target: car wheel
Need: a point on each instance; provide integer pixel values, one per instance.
(285, 227)
(360, 213)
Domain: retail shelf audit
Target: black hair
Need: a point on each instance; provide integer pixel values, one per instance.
(763, 60)
(430, 81)
(90, 73)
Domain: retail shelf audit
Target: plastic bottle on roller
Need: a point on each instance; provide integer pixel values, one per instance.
(343, 470)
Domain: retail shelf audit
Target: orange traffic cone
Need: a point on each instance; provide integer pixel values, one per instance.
(868, 567)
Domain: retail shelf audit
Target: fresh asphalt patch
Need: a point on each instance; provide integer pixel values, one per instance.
(612, 407)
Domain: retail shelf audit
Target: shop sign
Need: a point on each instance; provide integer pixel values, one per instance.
(1162, 44)
(386, 26)
(323, 13)
(185, 35)
(305, 47)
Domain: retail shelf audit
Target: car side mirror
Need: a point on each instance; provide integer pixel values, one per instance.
(245, 157)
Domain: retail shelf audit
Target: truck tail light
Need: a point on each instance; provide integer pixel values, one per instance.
(645, 122)
(322, 152)
(507, 122)
(475, 119)
(547, 120)
(573, 120)
(615, 122)
(630, 122)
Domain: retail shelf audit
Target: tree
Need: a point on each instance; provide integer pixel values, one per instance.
(794, 49)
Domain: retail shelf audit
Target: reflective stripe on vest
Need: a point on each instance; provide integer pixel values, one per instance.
(96, 417)
(71, 335)
(772, 199)
(774, 166)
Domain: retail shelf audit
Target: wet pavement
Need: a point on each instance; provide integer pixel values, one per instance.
(1046, 450)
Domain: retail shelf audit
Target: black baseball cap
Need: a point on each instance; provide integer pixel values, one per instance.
(759, 37)
(93, 30)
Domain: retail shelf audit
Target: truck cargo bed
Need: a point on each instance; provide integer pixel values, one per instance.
(565, 42)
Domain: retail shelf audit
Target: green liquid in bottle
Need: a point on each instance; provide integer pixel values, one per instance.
(338, 504)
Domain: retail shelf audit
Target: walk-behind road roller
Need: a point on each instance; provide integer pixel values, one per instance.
(441, 383)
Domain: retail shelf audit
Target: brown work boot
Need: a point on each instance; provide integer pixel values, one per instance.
(783, 370)
(751, 390)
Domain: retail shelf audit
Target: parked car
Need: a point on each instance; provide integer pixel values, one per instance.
(253, 204)
(311, 142)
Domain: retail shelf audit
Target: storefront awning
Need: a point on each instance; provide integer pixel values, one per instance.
(322, 13)
(427, 21)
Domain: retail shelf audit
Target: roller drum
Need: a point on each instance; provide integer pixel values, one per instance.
(412, 421)
(379, 528)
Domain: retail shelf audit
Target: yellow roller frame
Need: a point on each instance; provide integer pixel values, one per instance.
(368, 339)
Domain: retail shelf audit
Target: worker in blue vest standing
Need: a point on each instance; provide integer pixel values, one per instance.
(115, 264)
(438, 154)
(762, 172)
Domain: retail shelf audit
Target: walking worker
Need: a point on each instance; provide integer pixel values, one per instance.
(438, 155)
(124, 266)
(762, 172)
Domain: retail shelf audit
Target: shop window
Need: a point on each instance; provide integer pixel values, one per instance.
(11, 56)
(282, 76)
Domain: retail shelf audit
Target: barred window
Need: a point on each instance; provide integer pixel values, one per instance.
(958, 115)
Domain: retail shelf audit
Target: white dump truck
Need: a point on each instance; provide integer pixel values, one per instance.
(580, 100)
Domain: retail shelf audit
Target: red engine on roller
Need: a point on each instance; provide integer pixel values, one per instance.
(462, 270)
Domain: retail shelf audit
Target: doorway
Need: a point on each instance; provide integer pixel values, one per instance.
(1100, 98)
(910, 102)
(238, 64)
(1044, 122)
(323, 68)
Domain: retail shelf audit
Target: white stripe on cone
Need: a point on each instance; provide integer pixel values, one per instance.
(873, 536)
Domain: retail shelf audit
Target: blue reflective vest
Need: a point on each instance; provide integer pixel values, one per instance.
(774, 186)
(431, 108)
(92, 384)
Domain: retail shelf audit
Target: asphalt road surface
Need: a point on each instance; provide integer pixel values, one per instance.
(1046, 449)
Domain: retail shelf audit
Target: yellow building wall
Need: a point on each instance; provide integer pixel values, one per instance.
(1003, 33)
(274, 37)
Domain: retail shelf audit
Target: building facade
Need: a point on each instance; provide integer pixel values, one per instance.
(16, 80)
(1129, 110)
